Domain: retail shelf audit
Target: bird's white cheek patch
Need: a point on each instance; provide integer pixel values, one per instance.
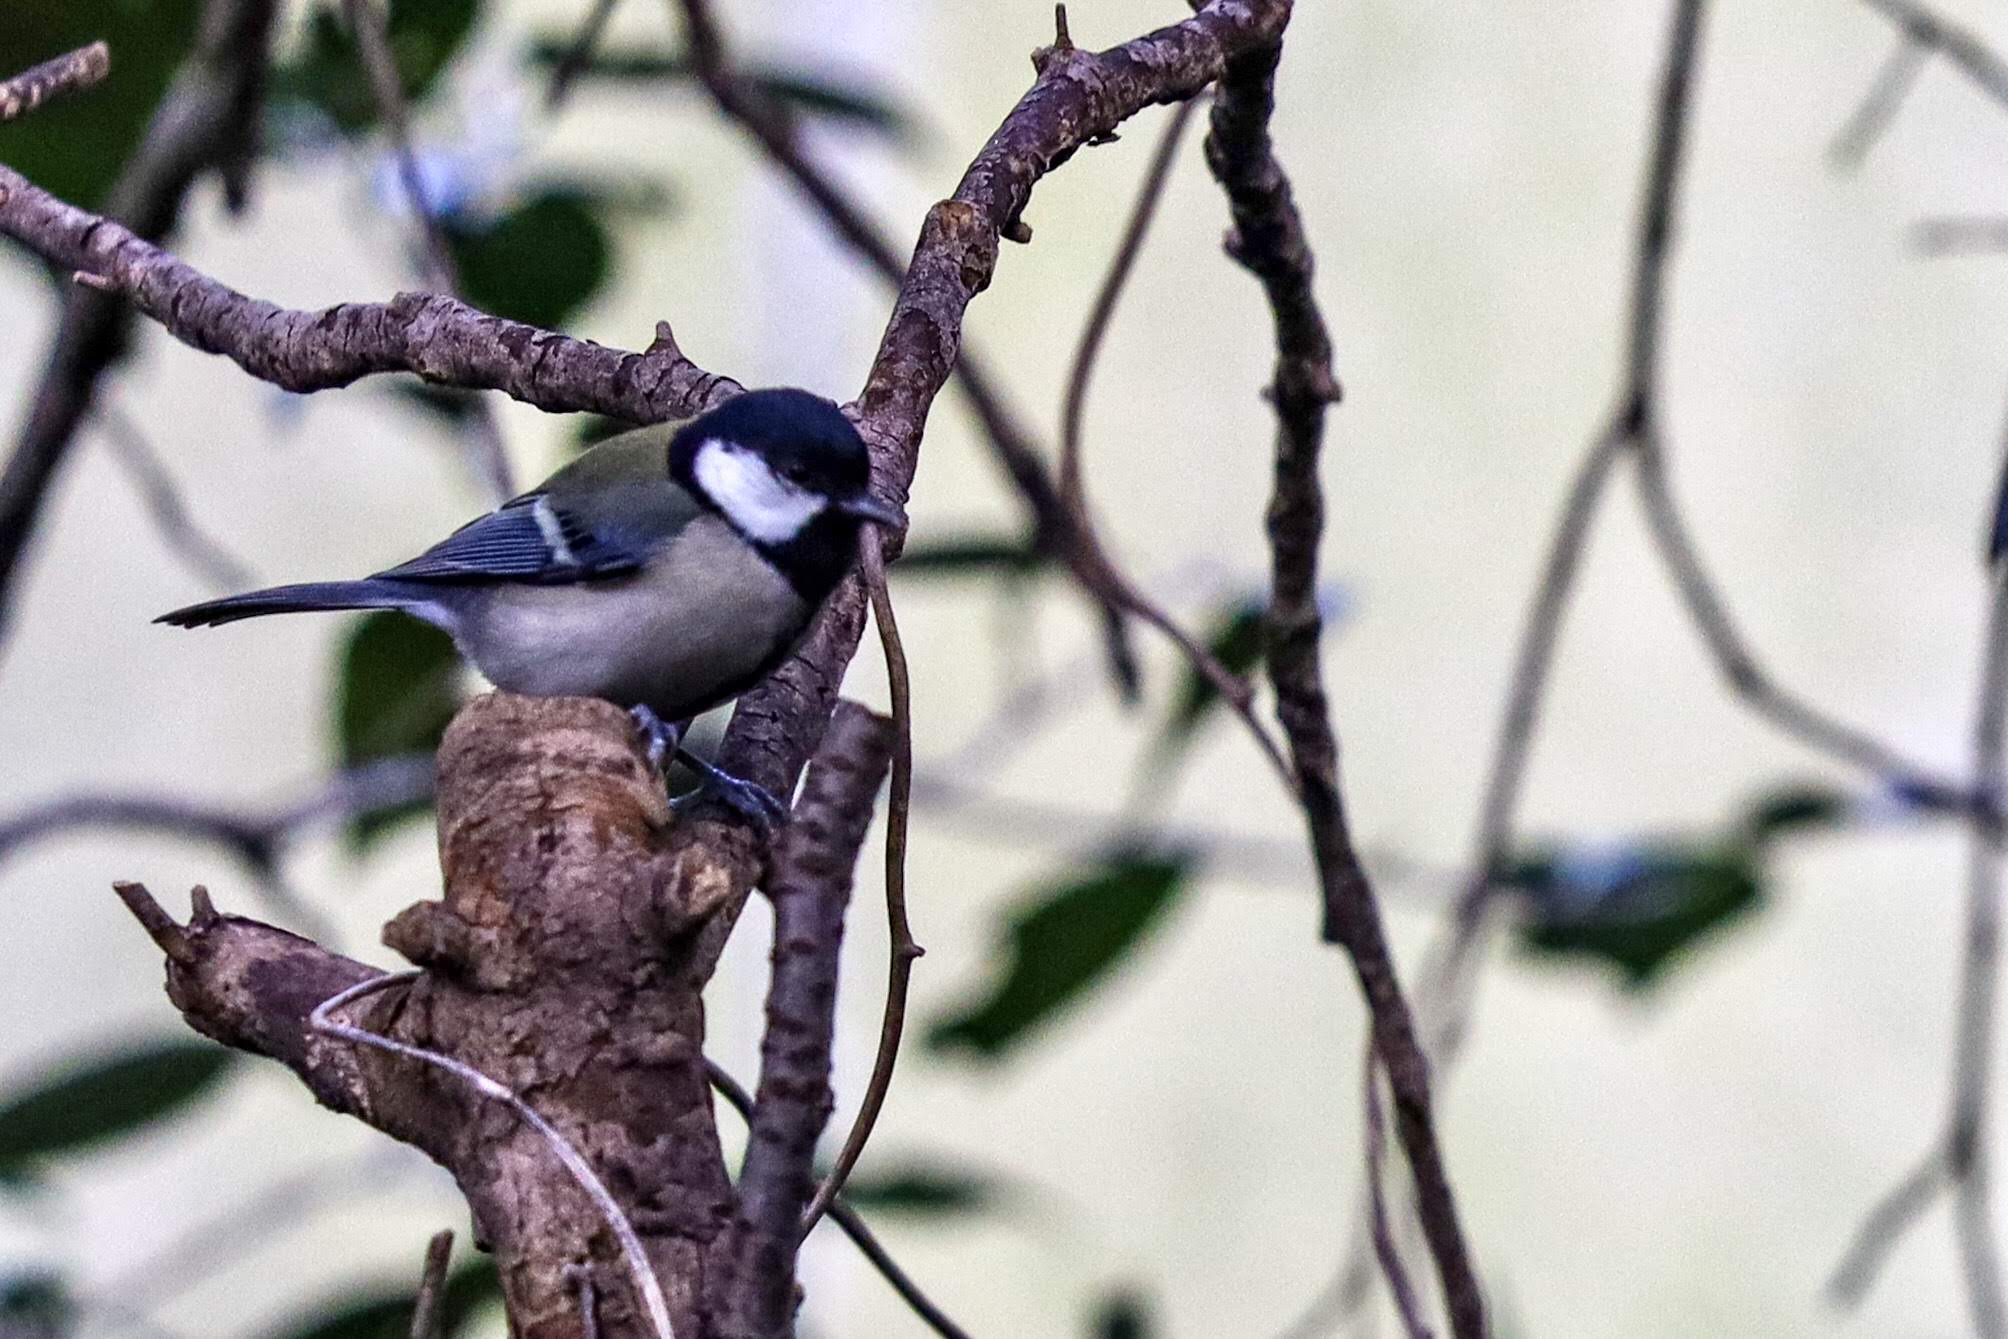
(761, 504)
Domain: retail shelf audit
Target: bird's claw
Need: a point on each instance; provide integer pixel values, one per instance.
(748, 799)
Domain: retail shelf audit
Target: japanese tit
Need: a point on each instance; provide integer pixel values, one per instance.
(666, 570)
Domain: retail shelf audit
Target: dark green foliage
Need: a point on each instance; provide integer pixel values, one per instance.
(922, 1188)
(1062, 942)
(1640, 907)
(379, 1314)
(398, 686)
(325, 73)
(35, 1304)
(540, 262)
(1234, 635)
(1791, 809)
(1637, 911)
(76, 145)
(815, 95)
(1122, 1315)
(78, 1106)
(970, 556)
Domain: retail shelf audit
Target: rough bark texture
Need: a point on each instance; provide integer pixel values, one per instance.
(560, 962)
(578, 927)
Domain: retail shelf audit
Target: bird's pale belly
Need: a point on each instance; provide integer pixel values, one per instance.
(699, 624)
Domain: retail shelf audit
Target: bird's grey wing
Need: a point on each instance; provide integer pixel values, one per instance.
(530, 539)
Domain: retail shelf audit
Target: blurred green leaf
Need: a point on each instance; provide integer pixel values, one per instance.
(1793, 809)
(1637, 909)
(325, 73)
(380, 1314)
(1061, 943)
(540, 262)
(922, 1188)
(1234, 635)
(75, 146)
(834, 100)
(969, 556)
(94, 1101)
(398, 687)
(1122, 1315)
(35, 1304)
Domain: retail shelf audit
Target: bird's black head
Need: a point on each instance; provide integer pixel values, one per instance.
(790, 473)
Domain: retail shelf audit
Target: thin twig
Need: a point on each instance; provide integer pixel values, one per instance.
(578, 55)
(368, 25)
(1400, 1286)
(589, 1301)
(201, 551)
(428, 1314)
(1961, 1161)
(1110, 580)
(1962, 47)
(903, 951)
(1143, 212)
(1878, 108)
(206, 122)
(1269, 240)
(1960, 236)
(852, 1225)
(647, 1288)
(52, 79)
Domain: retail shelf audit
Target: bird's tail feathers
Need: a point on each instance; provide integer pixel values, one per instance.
(370, 593)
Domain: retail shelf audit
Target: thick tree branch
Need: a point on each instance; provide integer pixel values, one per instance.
(52, 79)
(810, 889)
(438, 338)
(206, 122)
(564, 964)
(1268, 238)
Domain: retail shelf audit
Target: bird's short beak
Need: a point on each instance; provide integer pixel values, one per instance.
(868, 508)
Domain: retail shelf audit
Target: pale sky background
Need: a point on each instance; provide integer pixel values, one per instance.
(1689, 1164)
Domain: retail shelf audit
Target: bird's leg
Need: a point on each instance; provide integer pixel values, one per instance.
(665, 738)
(744, 797)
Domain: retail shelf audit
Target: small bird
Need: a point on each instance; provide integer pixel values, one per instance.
(667, 570)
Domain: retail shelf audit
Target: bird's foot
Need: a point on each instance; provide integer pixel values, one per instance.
(664, 737)
(746, 798)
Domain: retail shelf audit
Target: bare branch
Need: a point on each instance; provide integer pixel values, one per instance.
(439, 338)
(1386, 1250)
(52, 79)
(903, 950)
(207, 122)
(853, 1226)
(1268, 239)
(1879, 106)
(202, 552)
(810, 889)
(1962, 1161)
(578, 55)
(429, 1313)
(1961, 47)
(1095, 563)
